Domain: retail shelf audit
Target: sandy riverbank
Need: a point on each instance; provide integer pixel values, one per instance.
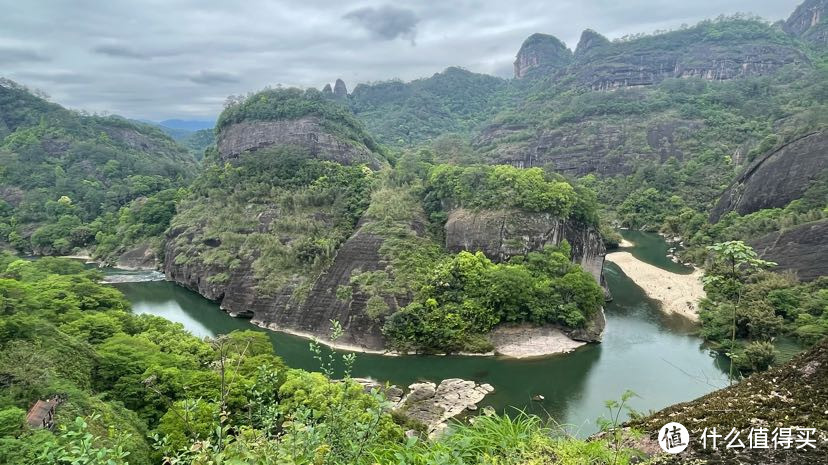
(678, 293)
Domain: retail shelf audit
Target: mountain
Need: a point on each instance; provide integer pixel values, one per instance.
(66, 176)
(187, 125)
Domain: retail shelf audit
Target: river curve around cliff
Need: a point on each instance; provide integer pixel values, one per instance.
(644, 350)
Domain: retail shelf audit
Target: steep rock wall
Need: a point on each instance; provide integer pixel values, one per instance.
(305, 132)
(809, 22)
(802, 249)
(776, 178)
(588, 146)
(541, 54)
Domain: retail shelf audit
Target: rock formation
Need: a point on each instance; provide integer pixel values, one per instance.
(502, 234)
(339, 90)
(589, 40)
(802, 249)
(433, 405)
(587, 146)
(306, 132)
(541, 54)
(327, 90)
(809, 22)
(777, 177)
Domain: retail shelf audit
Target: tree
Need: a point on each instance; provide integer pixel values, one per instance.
(733, 262)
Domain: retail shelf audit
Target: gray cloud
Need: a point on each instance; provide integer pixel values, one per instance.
(161, 59)
(119, 51)
(386, 22)
(214, 77)
(11, 55)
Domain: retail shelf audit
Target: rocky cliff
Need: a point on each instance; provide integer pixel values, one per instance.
(501, 234)
(777, 177)
(307, 132)
(701, 51)
(802, 249)
(607, 148)
(541, 54)
(809, 22)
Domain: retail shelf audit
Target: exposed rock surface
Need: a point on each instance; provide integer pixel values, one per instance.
(802, 249)
(809, 22)
(526, 340)
(141, 257)
(589, 40)
(792, 395)
(587, 146)
(501, 234)
(613, 66)
(306, 132)
(541, 54)
(776, 178)
(434, 405)
(339, 90)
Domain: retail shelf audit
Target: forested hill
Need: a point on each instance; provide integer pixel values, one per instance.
(66, 176)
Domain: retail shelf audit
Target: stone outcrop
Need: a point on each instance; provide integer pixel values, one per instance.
(776, 178)
(307, 133)
(140, 257)
(327, 90)
(801, 249)
(433, 405)
(502, 234)
(541, 54)
(339, 90)
(588, 146)
(589, 40)
(809, 22)
(630, 65)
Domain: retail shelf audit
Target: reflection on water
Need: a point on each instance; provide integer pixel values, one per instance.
(656, 355)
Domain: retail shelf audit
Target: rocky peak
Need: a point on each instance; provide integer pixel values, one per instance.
(589, 40)
(327, 90)
(541, 52)
(339, 90)
(809, 21)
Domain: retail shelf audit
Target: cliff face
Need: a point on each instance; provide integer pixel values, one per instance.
(541, 54)
(776, 178)
(613, 66)
(801, 249)
(588, 146)
(502, 234)
(306, 132)
(809, 22)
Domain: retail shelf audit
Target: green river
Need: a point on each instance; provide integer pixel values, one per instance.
(655, 355)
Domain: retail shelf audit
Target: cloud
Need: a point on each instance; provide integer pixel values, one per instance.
(182, 58)
(13, 55)
(386, 22)
(214, 77)
(119, 51)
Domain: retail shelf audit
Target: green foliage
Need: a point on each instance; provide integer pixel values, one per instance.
(757, 356)
(466, 295)
(64, 170)
(504, 186)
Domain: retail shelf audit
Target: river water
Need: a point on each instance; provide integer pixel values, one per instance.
(655, 355)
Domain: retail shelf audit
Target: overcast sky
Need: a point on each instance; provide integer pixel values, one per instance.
(159, 59)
